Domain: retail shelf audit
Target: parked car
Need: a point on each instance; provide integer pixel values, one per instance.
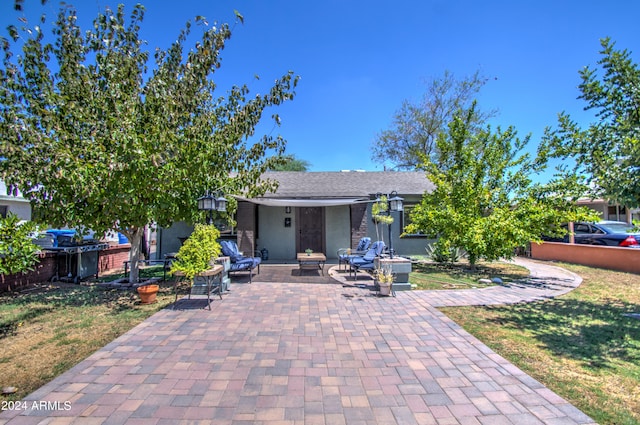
(609, 233)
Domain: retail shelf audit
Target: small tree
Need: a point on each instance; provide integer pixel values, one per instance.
(380, 216)
(97, 138)
(18, 254)
(484, 200)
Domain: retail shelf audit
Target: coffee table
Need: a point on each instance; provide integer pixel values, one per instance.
(314, 260)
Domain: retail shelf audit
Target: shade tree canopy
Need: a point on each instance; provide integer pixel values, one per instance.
(417, 125)
(99, 133)
(606, 153)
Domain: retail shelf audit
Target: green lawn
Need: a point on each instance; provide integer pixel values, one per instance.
(429, 275)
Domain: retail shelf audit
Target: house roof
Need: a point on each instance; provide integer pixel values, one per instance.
(350, 184)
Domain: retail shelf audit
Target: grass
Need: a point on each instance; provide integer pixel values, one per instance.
(582, 345)
(430, 275)
(50, 328)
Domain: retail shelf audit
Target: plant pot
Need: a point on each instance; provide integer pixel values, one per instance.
(385, 289)
(148, 293)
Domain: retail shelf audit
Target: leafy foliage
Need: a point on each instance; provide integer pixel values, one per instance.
(380, 216)
(441, 252)
(18, 254)
(198, 250)
(607, 153)
(416, 126)
(291, 163)
(484, 201)
(97, 138)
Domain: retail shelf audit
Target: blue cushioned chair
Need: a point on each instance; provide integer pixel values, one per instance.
(238, 261)
(366, 262)
(344, 255)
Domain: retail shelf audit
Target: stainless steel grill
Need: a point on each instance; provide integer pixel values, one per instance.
(81, 260)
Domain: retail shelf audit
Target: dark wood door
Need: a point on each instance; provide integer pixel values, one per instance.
(310, 229)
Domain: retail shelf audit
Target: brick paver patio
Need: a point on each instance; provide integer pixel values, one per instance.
(287, 353)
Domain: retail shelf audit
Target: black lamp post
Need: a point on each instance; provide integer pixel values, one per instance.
(212, 203)
(394, 203)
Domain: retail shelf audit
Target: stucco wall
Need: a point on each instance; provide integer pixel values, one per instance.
(21, 208)
(607, 257)
(338, 230)
(273, 235)
(281, 240)
(169, 237)
(414, 245)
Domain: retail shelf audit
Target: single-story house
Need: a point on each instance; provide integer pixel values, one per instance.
(322, 211)
(610, 210)
(14, 204)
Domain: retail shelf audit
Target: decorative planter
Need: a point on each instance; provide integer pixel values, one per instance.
(148, 293)
(385, 289)
(400, 267)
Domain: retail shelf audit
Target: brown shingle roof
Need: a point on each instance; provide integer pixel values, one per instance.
(339, 184)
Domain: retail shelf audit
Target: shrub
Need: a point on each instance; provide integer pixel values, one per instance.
(441, 252)
(18, 254)
(198, 250)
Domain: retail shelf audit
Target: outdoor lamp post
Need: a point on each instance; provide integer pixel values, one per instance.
(212, 203)
(394, 204)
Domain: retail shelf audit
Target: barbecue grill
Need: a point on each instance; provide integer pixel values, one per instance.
(80, 257)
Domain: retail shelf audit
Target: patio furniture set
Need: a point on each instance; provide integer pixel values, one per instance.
(215, 281)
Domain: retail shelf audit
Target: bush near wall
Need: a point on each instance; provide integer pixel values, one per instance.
(110, 259)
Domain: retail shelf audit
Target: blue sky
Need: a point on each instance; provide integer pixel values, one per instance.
(358, 60)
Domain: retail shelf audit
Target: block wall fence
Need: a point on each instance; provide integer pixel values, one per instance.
(109, 259)
(606, 257)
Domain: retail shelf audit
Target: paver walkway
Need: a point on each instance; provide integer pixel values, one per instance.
(286, 353)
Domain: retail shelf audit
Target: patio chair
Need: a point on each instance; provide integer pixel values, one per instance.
(238, 261)
(366, 262)
(346, 254)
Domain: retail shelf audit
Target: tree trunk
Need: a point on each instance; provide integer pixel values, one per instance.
(135, 237)
(472, 263)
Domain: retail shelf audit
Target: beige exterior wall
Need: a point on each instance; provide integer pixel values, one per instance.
(170, 238)
(281, 240)
(19, 207)
(338, 229)
(607, 211)
(273, 235)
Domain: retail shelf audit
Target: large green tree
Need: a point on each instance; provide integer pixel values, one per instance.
(416, 125)
(485, 200)
(607, 152)
(97, 136)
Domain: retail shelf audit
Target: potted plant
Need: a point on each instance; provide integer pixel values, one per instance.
(148, 293)
(198, 251)
(384, 280)
(309, 251)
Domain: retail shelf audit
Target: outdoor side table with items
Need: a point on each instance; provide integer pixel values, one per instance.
(206, 283)
(311, 261)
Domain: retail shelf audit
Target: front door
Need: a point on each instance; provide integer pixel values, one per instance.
(310, 229)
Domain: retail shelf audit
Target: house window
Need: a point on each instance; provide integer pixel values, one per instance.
(406, 220)
(3, 211)
(617, 212)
